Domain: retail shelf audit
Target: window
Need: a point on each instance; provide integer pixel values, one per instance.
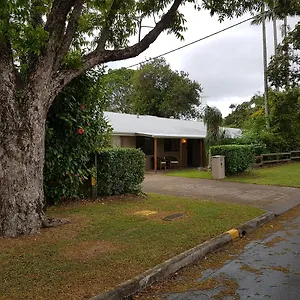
(146, 144)
(171, 145)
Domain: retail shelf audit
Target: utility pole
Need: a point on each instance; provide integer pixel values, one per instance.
(265, 61)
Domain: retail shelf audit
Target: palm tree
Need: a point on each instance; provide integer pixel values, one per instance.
(269, 15)
(212, 118)
(265, 59)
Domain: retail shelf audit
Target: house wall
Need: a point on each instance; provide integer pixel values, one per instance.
(116, 141)
(130, 142)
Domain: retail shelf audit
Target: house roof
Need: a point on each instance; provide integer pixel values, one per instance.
(130, 125)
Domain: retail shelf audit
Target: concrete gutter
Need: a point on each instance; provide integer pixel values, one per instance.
(171, 266)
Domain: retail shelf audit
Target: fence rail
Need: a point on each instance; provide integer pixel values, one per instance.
(271, 158)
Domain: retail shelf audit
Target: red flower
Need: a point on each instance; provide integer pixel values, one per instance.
(82, 178)
(76, 175)
(83, 106)
(80, 131)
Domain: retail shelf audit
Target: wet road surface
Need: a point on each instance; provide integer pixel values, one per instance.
(267, 266)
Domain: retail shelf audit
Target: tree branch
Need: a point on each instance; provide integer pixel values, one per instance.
(36, 20)
(109, 21)
(97, 57)
(56, 20)
(55, 26)
(70, 31)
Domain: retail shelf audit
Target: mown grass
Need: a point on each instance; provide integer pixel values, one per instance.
(191, 173)
(281, 175)
(108, 243)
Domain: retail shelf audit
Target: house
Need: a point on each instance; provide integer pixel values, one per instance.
(159, 138)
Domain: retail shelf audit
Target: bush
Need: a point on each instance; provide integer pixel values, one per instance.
(120, 171)
(75, 127)
(238, 158)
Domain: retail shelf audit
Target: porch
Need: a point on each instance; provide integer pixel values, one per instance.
(171, 152)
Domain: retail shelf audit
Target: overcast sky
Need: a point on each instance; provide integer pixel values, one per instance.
(229, 66)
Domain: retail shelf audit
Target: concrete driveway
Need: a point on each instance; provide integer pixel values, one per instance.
(271, 198)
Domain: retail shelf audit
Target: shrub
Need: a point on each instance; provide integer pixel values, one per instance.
(238, 158)
(120, 171)
(75, 127)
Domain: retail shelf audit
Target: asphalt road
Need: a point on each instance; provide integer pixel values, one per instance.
(277, 199)
(266, 268)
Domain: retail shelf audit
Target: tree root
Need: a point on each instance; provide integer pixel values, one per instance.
(54, 222)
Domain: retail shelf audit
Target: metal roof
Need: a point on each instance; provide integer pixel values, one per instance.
(127, 124)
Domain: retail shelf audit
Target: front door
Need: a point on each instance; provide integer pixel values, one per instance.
(193, 153)
(190, 150)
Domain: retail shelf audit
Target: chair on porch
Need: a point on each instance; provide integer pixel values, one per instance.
(161, 163)
(172, 162)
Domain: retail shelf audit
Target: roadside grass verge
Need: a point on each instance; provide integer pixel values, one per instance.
(281, 175)
(108, 242)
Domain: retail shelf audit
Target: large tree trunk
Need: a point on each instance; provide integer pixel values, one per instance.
(21, 170)
(22, 128)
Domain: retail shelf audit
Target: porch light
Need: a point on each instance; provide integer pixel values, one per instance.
(183, 141)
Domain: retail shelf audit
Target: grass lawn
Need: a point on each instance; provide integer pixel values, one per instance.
(107, 243)
(192, 173)
(282, 175)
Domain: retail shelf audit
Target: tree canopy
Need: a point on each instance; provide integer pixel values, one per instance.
(153, 89)
(162, 92)
(241, 113)
(117, 89)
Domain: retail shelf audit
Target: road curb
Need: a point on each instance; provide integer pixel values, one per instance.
(165, 269)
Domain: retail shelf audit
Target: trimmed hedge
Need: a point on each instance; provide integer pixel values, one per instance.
(120, 171)
(238, 158)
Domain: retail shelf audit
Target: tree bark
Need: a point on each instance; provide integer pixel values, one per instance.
(22, 131)
(21, 169)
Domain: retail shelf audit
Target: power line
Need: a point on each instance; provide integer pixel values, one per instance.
(196, 41)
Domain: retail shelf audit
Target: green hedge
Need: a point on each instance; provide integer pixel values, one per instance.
(238, 158)
(120, 171)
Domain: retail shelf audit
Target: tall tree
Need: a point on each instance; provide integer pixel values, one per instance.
(241, 113)
(44, 44)
(212, 118)
(265, 62)
(117, 90)
(268, 16)
(162, 92)
(284, 68)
